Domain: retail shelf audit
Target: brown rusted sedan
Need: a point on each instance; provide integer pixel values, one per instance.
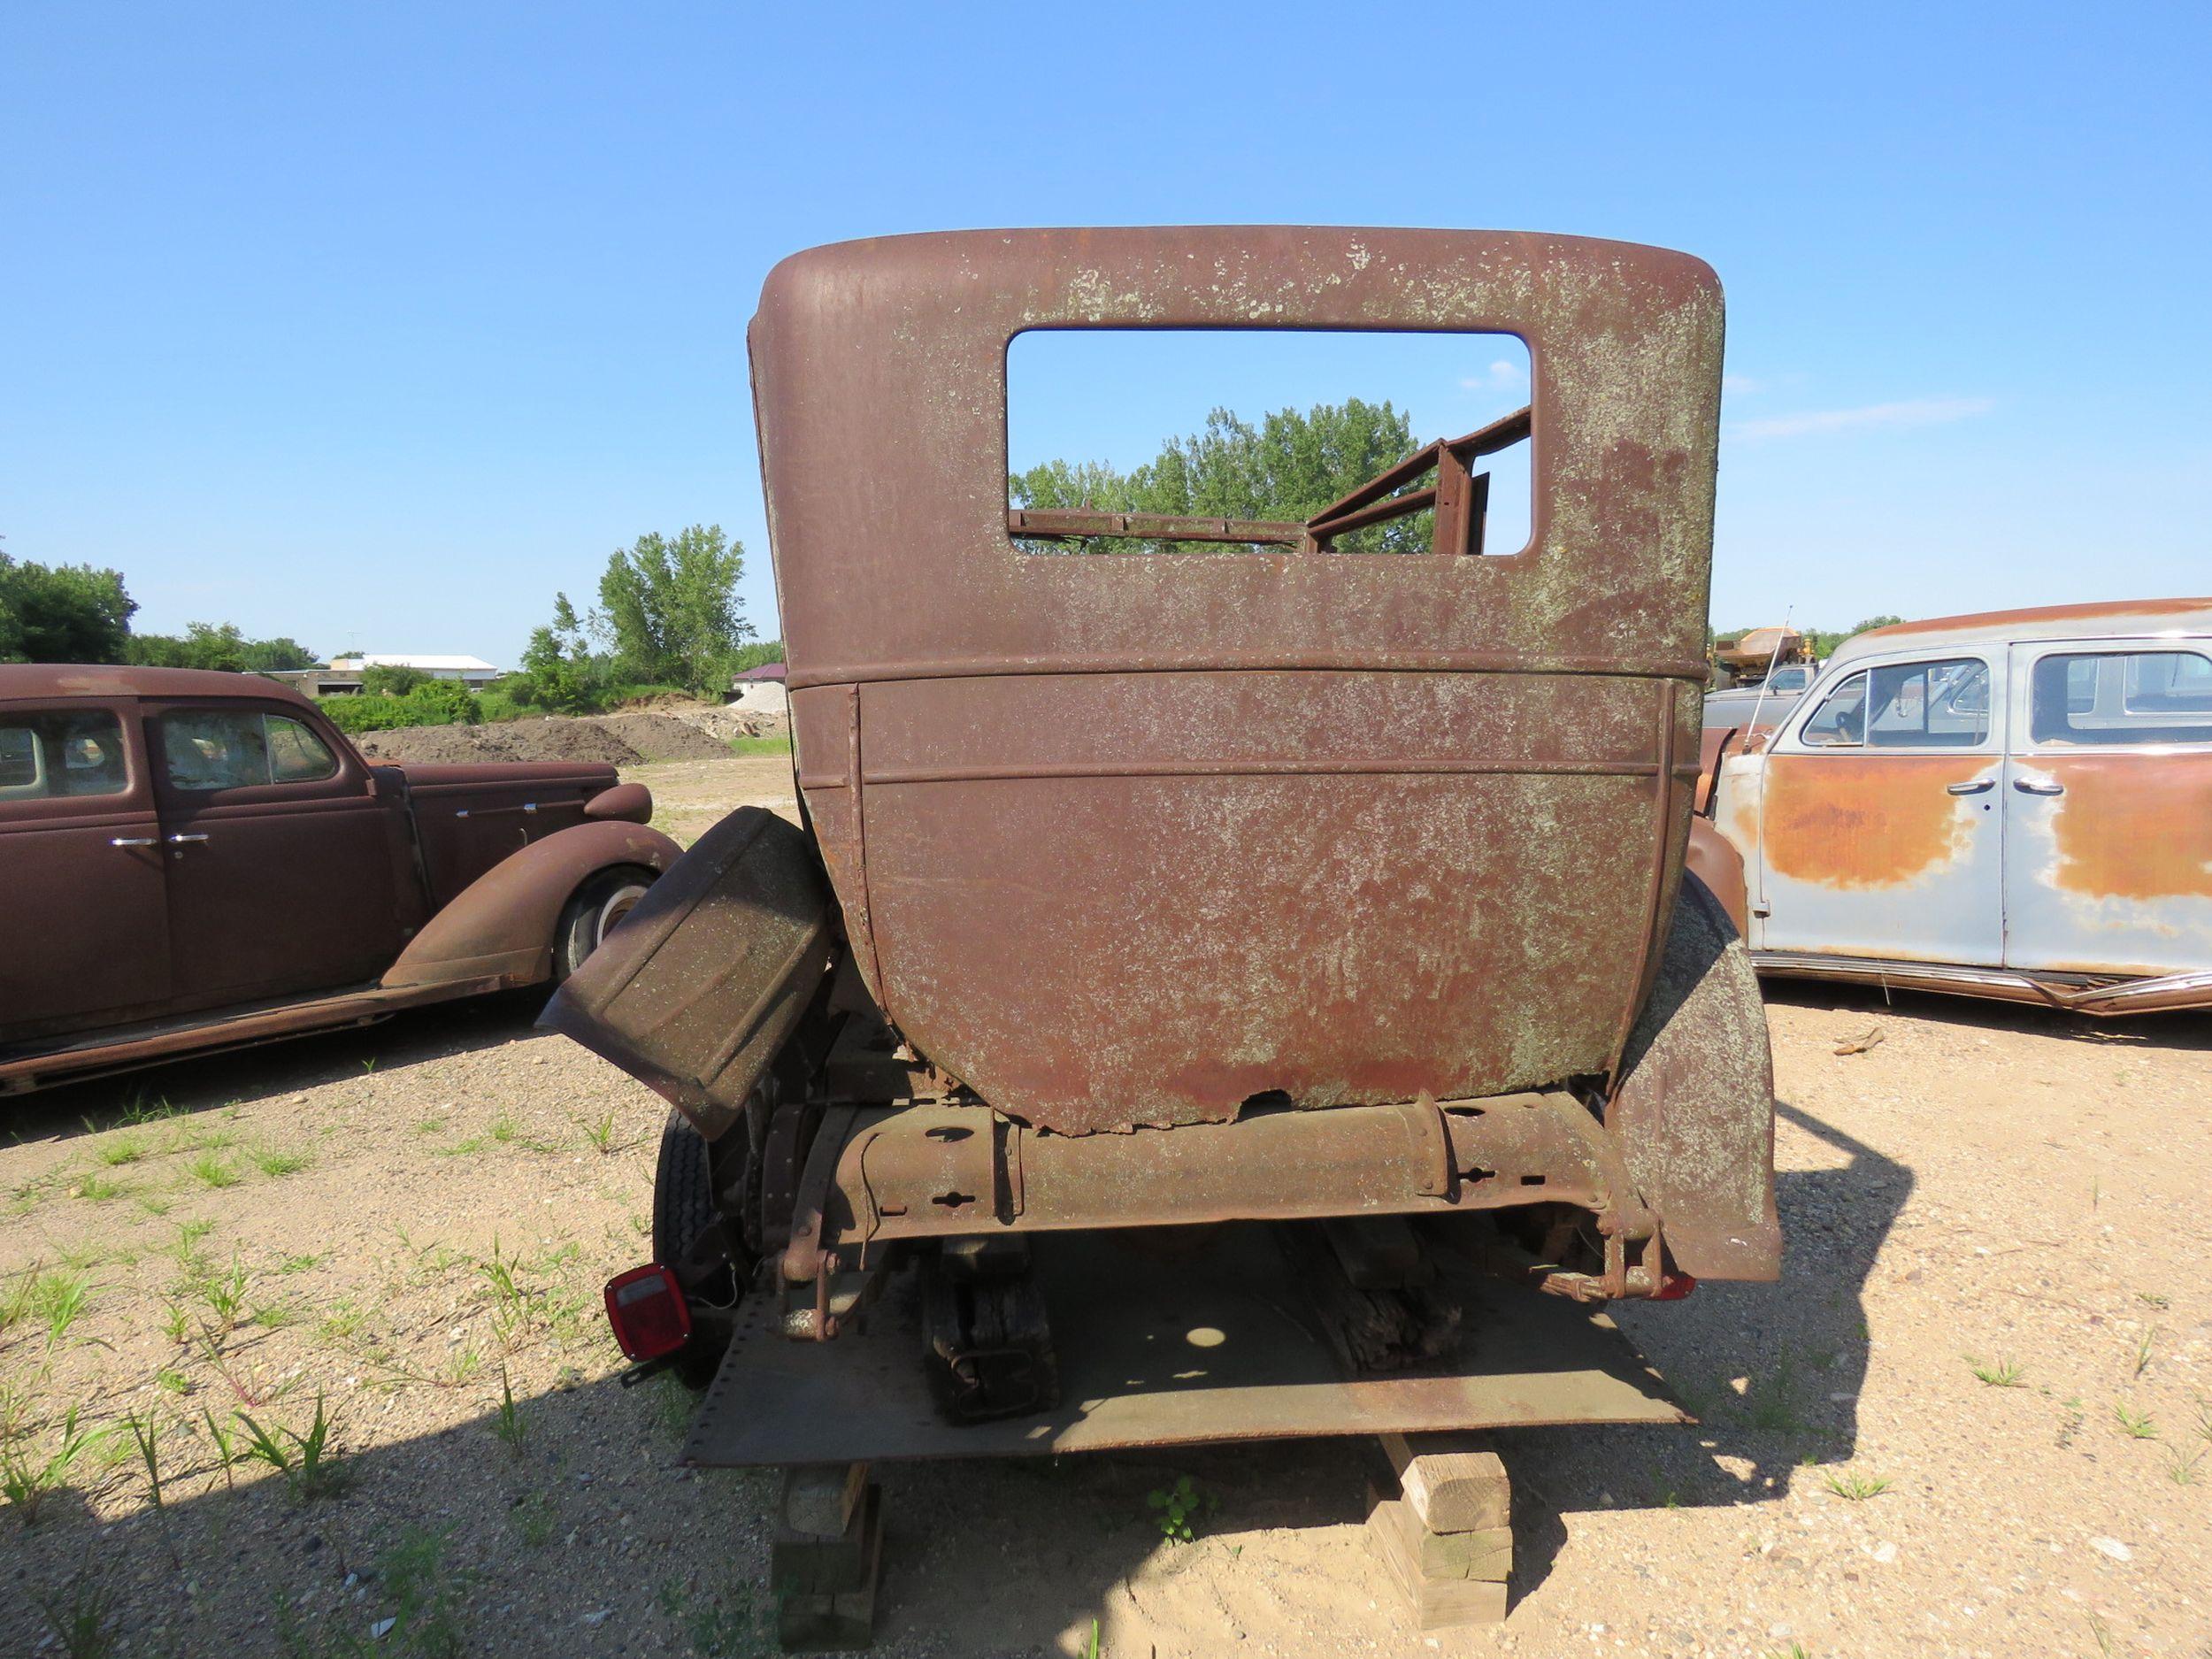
(1234, 983)
(2016, 804)
(192, 860)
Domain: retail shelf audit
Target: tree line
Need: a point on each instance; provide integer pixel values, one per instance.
(668, 619)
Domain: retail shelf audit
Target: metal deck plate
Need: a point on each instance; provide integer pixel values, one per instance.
(1162, 1344)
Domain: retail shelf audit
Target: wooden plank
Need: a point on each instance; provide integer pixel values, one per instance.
(1453, 1483)
(819, 1500)
(1436, 1603)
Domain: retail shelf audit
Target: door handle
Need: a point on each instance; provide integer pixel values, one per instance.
(131, 840)
(1976, 788)
(179, 841)
(2033, 786)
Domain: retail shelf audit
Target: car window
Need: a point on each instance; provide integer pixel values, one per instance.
(1929, 705)
(61, 752)
(237, 748)
(1841, 720)
(2124, 697)
(1786, 679)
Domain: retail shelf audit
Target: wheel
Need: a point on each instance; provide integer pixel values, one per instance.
(687, 1236)
(592, 914)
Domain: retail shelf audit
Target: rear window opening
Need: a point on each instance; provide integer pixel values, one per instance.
(1267, 440)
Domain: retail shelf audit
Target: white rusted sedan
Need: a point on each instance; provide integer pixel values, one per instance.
(2016, 804)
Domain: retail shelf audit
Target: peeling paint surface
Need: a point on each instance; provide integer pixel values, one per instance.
(2114, 875)
(1865, 854)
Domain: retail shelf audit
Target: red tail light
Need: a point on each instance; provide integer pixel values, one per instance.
(1674, 1286)
(647, 1308)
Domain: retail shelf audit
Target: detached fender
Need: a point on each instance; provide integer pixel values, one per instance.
(501, 924)
(697, 990)
(1693, 1113)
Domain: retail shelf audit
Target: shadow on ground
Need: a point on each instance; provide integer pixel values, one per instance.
(220, 1079)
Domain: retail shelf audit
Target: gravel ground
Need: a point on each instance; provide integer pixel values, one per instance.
(410, 1225)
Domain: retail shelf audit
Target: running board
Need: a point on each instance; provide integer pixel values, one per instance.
(2072, 993)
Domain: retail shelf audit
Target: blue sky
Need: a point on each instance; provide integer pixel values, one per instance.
(375, 325)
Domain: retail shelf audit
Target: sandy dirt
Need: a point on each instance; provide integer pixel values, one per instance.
(411, 1222)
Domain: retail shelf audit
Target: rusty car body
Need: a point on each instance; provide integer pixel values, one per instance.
(1100, 935)
(2015, 804)
(194, 860)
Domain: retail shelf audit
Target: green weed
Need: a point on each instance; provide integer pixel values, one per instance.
(210, 1171)
(2003, 1374)
(274, 1163)
(510, 1424)
(309, 1465)
(534, 1519)
(146, 1435)
(172, 1381)
(1857, 1488)
(599, 1133)
(82, 1619)
(1178, 1508)
(98, 1189)
(2143, 1350)
(119, 1150)
(2137, 1425)
(27, 1478)
(58, 1300)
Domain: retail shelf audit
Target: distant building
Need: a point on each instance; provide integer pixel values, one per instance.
(472, 672)
(760, 690)
(342, 678)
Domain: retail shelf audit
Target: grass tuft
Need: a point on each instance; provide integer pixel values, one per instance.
(1857, 1488)
(2003, 1374)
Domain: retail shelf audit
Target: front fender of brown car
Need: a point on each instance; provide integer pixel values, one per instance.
(501, 924)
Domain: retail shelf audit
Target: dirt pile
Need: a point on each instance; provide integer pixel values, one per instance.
(668, 731)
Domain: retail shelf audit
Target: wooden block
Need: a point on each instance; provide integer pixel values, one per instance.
(806, 1562)
(1436, 1603)
(1485, 1555)
(1451, 1481)
(820, 1498)
(814, 1621)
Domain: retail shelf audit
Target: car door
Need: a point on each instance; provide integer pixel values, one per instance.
(1879, 833)
(280, 878)
(81, 869)
(2108, 807)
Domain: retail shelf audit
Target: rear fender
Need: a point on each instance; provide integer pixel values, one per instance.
(1693, 1114)
(700, 986)
(501, 924)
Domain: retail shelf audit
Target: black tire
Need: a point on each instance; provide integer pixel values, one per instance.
(683, 1212)
(592, 911)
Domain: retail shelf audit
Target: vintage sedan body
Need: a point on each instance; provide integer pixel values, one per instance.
(1179, 938)
(195, 860)
(2015, 804)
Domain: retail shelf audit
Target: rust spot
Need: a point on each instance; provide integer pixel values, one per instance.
(1865, 820)
(2134, 826)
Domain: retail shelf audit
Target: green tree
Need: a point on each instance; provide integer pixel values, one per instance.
(559, 672)
(390, 680)
(62, 613)
(670, 608)
(208, 645)
(1288, 467)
